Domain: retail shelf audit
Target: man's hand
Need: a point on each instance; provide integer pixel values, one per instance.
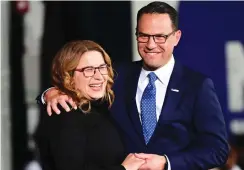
(53, 97)
(153, 161)
(131, 162)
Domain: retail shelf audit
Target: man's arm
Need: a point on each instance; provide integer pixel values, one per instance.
(210, 148)
(50, 99)
(40, 99)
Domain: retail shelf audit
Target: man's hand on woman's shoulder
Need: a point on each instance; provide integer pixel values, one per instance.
(53, 97)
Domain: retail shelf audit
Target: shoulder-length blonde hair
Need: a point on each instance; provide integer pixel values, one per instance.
(64, 64)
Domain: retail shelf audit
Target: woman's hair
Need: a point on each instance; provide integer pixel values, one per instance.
(64, 64)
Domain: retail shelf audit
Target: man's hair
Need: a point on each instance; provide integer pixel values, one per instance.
(158, 7)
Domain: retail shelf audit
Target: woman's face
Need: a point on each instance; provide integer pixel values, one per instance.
(90, 81)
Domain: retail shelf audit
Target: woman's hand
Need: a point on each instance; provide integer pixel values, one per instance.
(132, 163)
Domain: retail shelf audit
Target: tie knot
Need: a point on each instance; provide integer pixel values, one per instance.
(152, 77)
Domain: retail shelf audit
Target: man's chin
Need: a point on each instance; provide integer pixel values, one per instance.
(151, 66)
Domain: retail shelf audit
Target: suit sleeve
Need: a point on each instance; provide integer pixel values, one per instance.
(64, 147)
(40, 98)
(210, 148)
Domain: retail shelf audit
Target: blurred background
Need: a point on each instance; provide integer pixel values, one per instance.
(33, 31)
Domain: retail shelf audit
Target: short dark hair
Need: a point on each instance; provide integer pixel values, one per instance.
(158, 7)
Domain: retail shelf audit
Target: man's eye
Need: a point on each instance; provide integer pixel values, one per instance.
(159, 37)
(143, 36)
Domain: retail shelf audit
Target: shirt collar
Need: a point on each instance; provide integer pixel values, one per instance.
(163, 73)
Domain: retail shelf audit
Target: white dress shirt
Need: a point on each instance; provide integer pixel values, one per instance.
(161, 84)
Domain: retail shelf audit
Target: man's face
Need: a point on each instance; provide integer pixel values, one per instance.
(156, 55)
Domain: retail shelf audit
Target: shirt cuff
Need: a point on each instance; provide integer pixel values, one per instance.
(169, 167)
(42, 96)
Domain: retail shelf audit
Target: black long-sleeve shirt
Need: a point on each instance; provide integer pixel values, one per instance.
(78, 141)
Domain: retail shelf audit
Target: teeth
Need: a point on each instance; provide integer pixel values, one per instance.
(96, 85)
(151, 54)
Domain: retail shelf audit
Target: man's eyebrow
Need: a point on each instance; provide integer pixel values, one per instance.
(152, 34)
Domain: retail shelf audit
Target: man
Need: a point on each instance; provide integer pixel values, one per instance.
(166, 112)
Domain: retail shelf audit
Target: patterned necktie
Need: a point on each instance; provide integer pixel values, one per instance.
(148, 108)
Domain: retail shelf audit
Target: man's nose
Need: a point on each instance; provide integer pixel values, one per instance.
(151, 43)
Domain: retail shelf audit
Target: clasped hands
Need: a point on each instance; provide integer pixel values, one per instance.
(142, 161)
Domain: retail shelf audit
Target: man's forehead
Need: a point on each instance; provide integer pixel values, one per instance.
(155, 16)
(155, 22)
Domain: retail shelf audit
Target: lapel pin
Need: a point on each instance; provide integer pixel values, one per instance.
(175, 90)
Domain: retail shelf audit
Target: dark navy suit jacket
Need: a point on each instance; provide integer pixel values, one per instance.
(191, 128)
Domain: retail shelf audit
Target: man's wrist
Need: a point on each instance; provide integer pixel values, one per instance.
(43, 96)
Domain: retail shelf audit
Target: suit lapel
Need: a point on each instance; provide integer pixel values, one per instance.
(172, 97)
(133, 78)
(174, 91)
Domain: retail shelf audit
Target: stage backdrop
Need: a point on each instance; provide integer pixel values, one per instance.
(212, 43)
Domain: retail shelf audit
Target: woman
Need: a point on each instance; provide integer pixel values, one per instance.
(84, 138)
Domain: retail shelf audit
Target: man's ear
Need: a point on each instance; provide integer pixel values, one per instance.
(177, 37)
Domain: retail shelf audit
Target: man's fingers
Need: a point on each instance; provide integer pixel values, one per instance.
(55, 108)
(49, 110)
(64, 105)
(63, 100)
(142, 155)
(72, 103)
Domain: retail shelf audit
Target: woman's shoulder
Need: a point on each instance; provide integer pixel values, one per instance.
(65, 122)
(73, 119)
(77, 118)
